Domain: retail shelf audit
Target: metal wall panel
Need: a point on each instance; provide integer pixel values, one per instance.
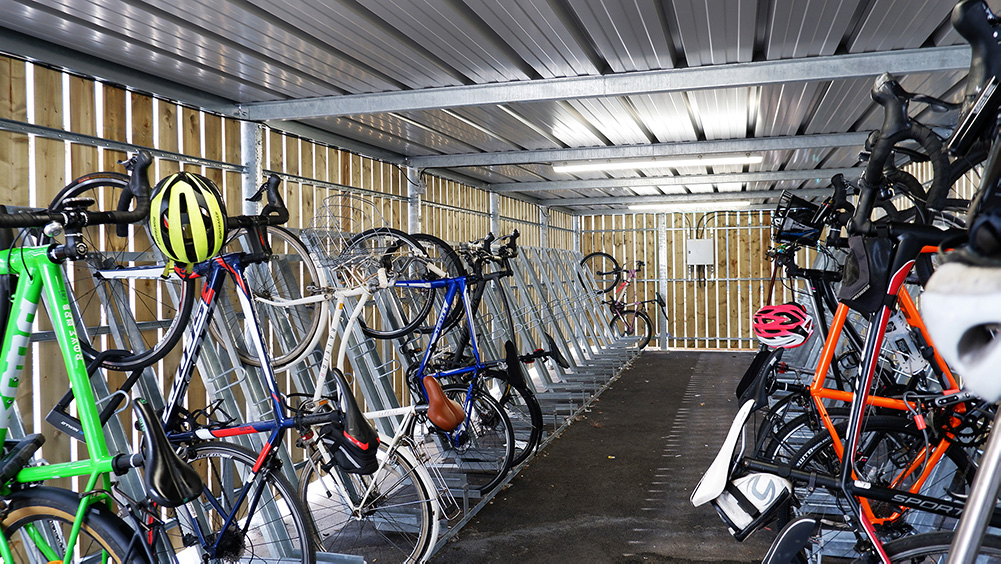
(538, 34)
(716, 31)
(899, 24)
(803, 29)
(630, 36)
(453, 36)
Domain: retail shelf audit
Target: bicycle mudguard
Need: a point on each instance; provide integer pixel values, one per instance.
(747, 502)
(752, 383)
(788, 545)
(515, 373)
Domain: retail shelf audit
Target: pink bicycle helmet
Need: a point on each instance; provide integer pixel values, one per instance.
(783, 326)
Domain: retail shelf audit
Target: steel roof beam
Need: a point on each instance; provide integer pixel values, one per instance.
(735, 75)
(824, 174)
(711, 197)
(784, 143)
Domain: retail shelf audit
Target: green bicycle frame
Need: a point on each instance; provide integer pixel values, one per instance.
(38, 277)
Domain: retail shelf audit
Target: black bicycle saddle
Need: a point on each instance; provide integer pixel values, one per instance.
(169, 480)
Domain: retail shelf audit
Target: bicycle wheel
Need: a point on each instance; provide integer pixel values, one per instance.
(478, 455)
(279, 527)
(290, 332)
(934, 547)
(635, 325)
(604, 268)
(525, 413)
(443, 256)
(48, 514)
(887, 445)
(107, 295)
(791, 437)
(395, 311)
(388, 516)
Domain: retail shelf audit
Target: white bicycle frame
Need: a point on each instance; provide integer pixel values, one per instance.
(401, 441)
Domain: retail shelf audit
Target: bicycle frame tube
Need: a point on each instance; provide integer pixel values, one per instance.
(453, 287)
(215, 271)
(926, 461)
(901, 266)
(40, 278)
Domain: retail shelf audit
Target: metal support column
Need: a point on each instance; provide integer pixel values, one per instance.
(544, 227)
(495, 213)
(662, 259)
(252, 148)
(415, 189)
(576, 233)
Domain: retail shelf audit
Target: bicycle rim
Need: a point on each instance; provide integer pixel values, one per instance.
(160, 306)
(525, 413)
(51, 513)
(604, 269)
(279, 527)
(290, 333)
(478, 455)
(395, 311)
(934, 547)
(388, 516)
(633, 325)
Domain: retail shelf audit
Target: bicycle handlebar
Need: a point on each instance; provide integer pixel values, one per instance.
(75, 215)
(481, 250)
(896, 127)
(974, 20)
(274, 212)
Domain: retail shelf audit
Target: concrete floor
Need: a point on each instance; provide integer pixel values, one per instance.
(615, 486)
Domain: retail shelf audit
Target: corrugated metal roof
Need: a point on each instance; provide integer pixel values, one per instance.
(246, 51)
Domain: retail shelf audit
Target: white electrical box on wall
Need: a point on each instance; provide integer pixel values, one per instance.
(700, 252)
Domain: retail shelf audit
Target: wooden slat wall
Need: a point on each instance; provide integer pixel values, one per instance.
(560, 230)
(454, 212)
(707, 307)
(523, 216)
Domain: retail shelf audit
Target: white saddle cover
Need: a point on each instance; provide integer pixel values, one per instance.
(714, 480)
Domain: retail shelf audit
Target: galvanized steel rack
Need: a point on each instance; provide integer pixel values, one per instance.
(546, 294)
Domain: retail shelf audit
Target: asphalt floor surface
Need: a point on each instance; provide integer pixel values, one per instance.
(615, 486)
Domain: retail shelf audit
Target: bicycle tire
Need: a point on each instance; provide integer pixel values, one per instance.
(635, 324)
(53, 511)
(444, 256)
(525, 413)
(792, 436)
(161, 306)
(604, 268)
(933, 547)
(290, 333)
(486, 449)
(894, 436)
(397, 524)
(398, 310)
(279, 527)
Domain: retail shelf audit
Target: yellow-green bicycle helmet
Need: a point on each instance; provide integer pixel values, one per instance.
(187, 218)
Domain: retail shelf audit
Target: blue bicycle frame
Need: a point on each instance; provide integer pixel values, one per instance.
(453, 287)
